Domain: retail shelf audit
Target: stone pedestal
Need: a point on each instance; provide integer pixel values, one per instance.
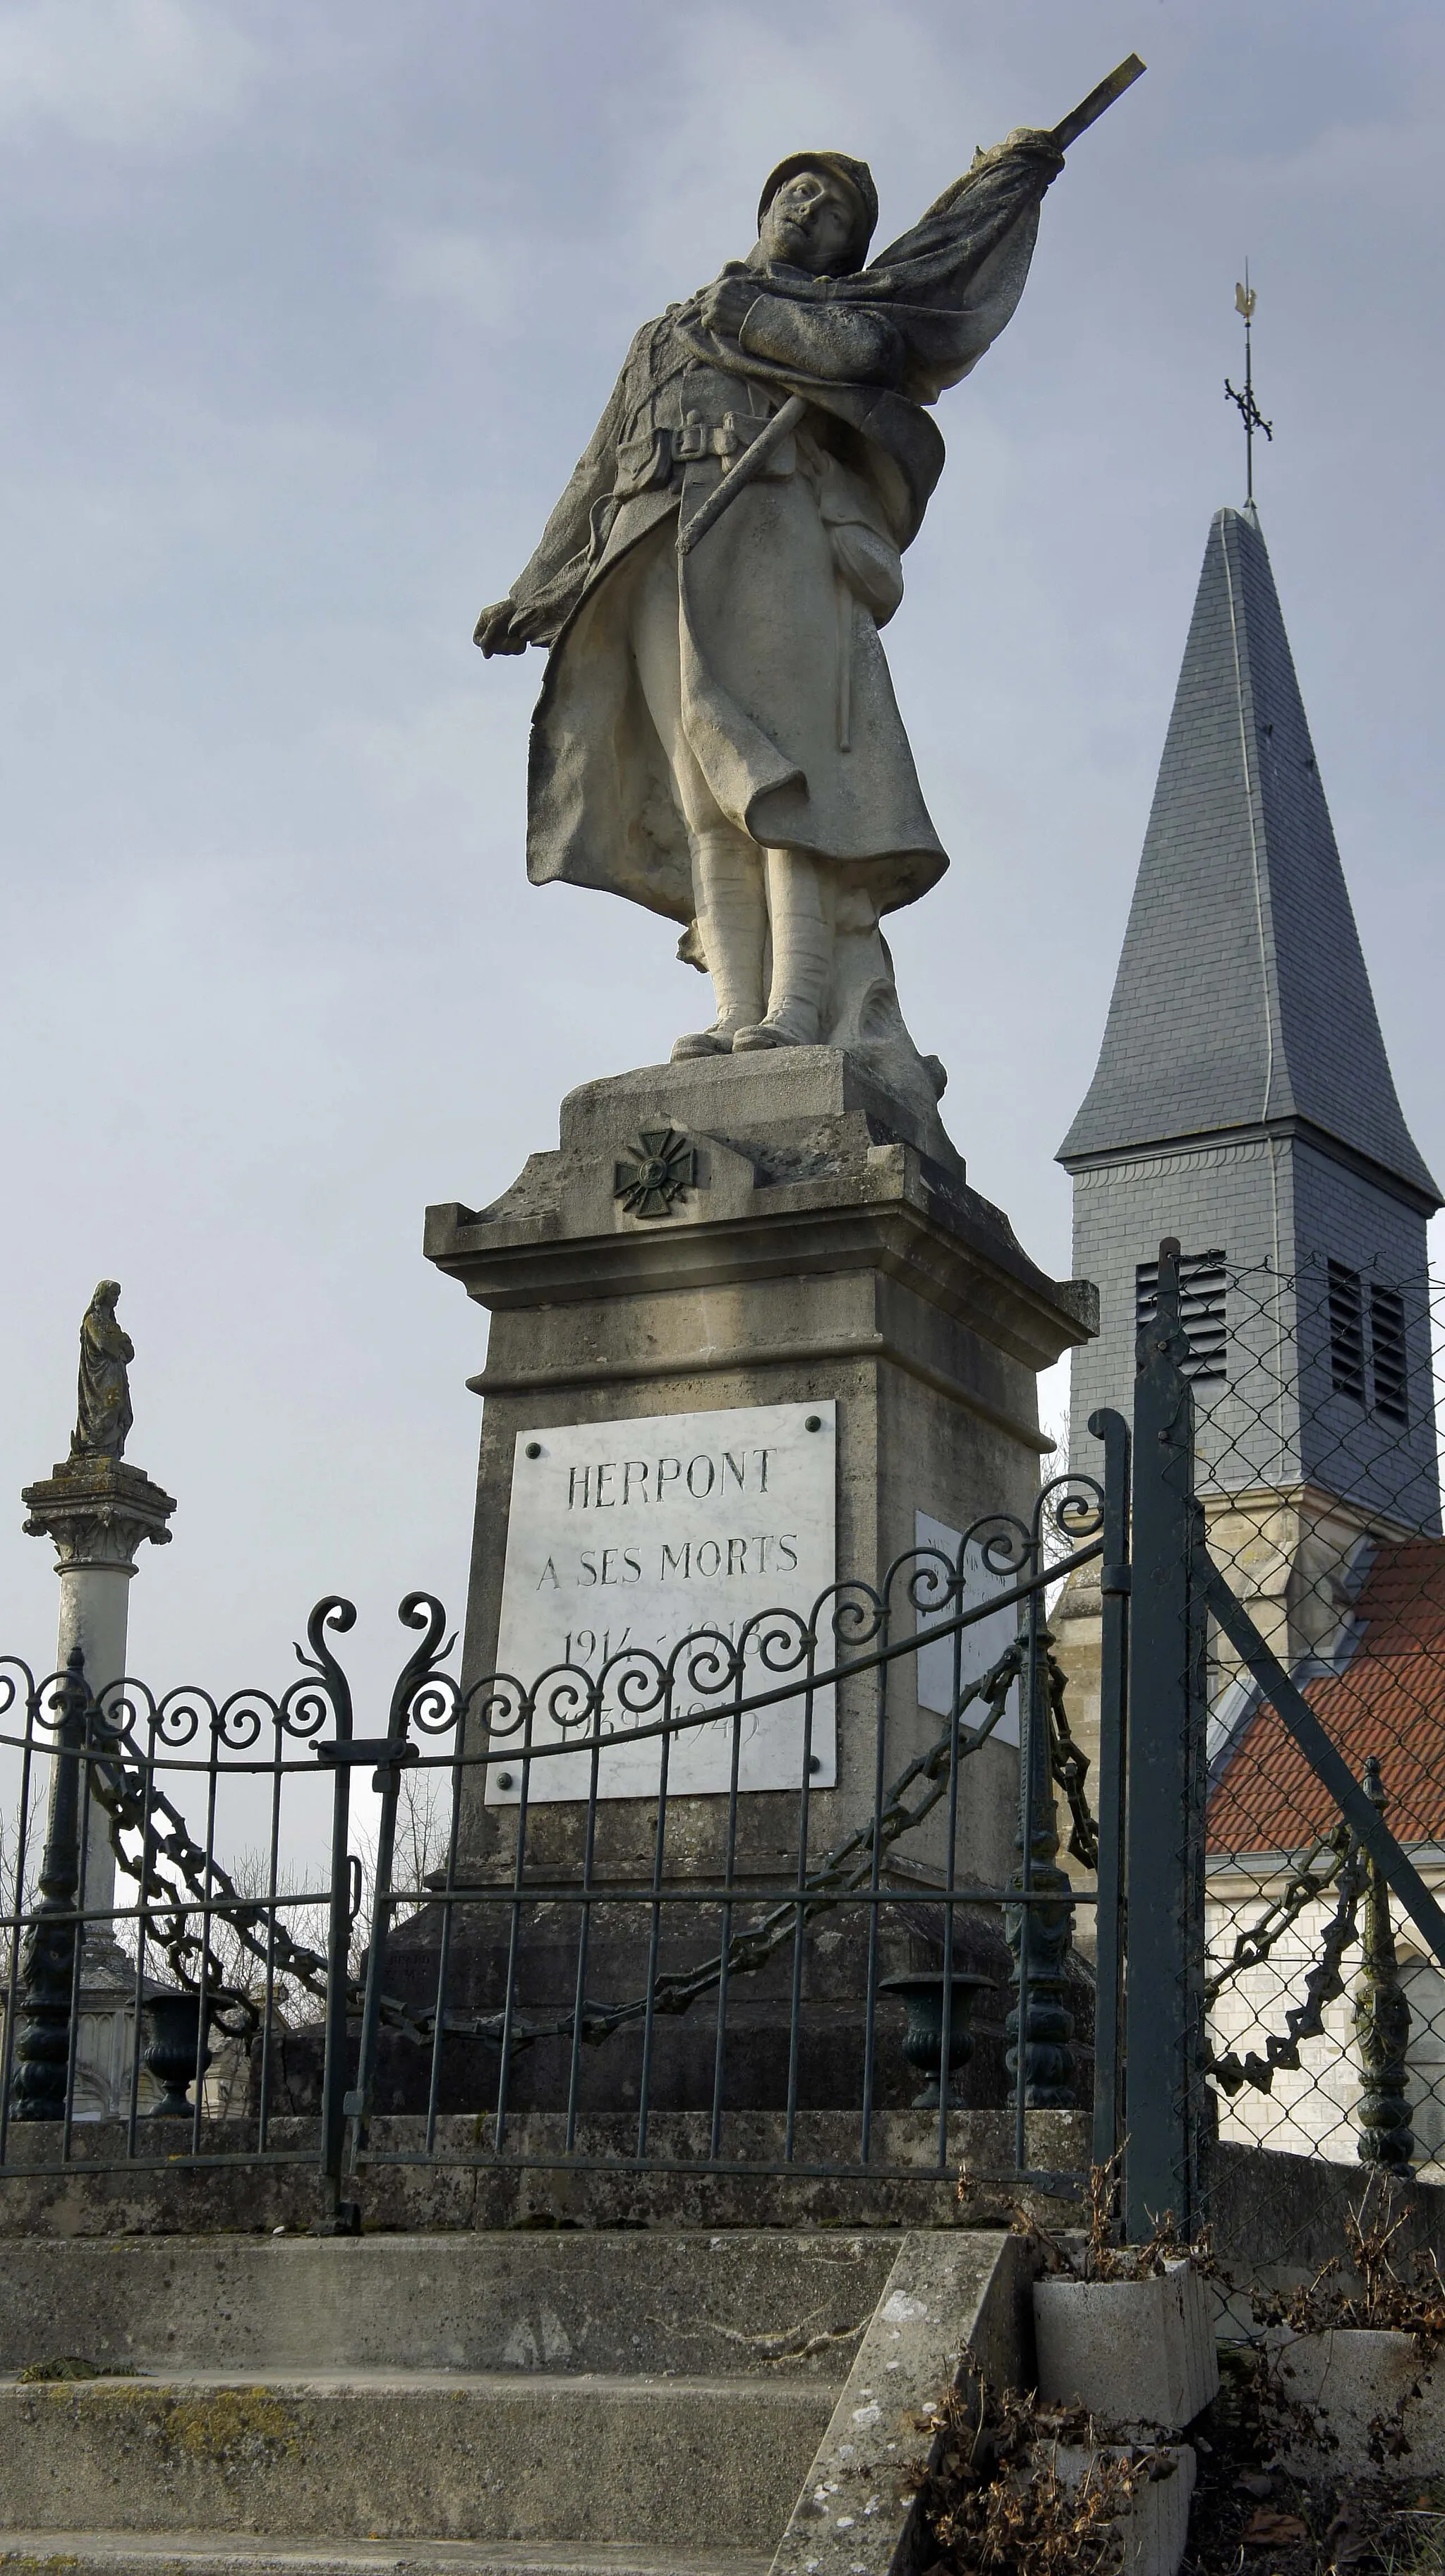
(97, 1512)
(763, 1230)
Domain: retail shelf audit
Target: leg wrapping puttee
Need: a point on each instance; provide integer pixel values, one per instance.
(732, 923)
(801, 907)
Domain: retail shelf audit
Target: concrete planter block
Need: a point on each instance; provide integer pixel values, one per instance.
(1155, 2529)
(1351, 2379)
(1133, 2352)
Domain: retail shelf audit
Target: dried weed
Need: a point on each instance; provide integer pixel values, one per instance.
(992, 2500)
(1387, 2300)
(1252, 2517)
(1102, 2257)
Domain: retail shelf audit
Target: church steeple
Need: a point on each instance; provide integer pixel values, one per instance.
(1243, 1100)
(1242, 1004)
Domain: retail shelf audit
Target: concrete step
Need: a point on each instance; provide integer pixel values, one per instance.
(229, 2553)
(621, 2300)
(634, 2403)
(575, 2458)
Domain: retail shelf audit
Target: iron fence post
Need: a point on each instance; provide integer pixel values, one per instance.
(1164, 1973)
(1115, 1578)
(395, 1753)
(338, 1947)
(334, 1613)
(1381, 2022)
(41, 2080)
(1040, 1934)
(355, 2101)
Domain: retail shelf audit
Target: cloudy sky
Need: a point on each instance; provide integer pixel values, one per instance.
(308, 306)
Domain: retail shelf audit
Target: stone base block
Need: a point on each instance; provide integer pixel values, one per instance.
(1369, 2399)
(756, 2069)
(1133, 2352)
(531, 2180)
(1155, 2530)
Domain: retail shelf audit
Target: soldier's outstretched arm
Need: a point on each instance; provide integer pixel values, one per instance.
(1029, 142)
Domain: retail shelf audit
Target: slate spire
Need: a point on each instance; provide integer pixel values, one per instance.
(1242, 1004)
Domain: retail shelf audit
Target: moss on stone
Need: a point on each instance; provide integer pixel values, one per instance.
(228, 2428)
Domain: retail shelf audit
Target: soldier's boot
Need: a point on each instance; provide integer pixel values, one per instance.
(801, 909)
(732, 925)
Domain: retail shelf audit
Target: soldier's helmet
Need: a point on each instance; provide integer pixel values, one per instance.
(856, 177)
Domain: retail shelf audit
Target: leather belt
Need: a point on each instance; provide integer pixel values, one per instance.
(644, 464)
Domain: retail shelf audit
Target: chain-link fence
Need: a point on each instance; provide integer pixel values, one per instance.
(1317, 1469)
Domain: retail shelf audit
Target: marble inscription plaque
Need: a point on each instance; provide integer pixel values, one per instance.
(625, 1537)
(979, 1647)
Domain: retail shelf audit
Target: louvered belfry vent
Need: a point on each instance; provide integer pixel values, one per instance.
(1347, 1332)
(1202, 1309)
(1387, 1352)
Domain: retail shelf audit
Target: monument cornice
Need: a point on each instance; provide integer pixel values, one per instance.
(886, 1218)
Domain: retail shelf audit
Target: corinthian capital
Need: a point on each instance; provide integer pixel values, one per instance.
(97, 1511)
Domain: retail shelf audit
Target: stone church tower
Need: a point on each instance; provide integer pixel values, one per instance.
(1243, 1103)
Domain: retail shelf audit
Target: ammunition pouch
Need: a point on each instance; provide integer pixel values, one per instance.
(647, 463)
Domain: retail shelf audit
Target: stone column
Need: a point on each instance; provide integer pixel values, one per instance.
(96, 1511)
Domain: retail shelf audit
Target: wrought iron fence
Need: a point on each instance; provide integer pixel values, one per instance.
(621, 1952)
(735, 1981)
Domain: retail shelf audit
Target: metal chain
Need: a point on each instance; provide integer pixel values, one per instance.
(1323, 1983)
(1253, 1945)
(122, 1792)
(1070, 1766)
(133, 1806)
(841, 1870)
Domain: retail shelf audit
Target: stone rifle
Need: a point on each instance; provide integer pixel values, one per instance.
(750, 464)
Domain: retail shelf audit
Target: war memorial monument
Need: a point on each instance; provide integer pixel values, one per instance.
(573, 2203)
(753, 1334)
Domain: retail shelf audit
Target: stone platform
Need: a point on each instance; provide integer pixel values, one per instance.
(464, 2183)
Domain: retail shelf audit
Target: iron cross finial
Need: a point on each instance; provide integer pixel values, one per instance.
(1249, 410)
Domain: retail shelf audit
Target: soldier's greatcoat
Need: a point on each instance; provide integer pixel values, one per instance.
(787, 702)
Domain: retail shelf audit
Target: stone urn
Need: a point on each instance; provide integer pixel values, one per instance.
(920, 1991)
(173, 2027)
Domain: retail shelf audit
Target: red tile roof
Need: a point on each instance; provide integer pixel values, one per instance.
(1389, 1700)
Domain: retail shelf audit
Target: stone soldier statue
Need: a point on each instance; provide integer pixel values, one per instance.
(104, 1415)
(717, 735)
